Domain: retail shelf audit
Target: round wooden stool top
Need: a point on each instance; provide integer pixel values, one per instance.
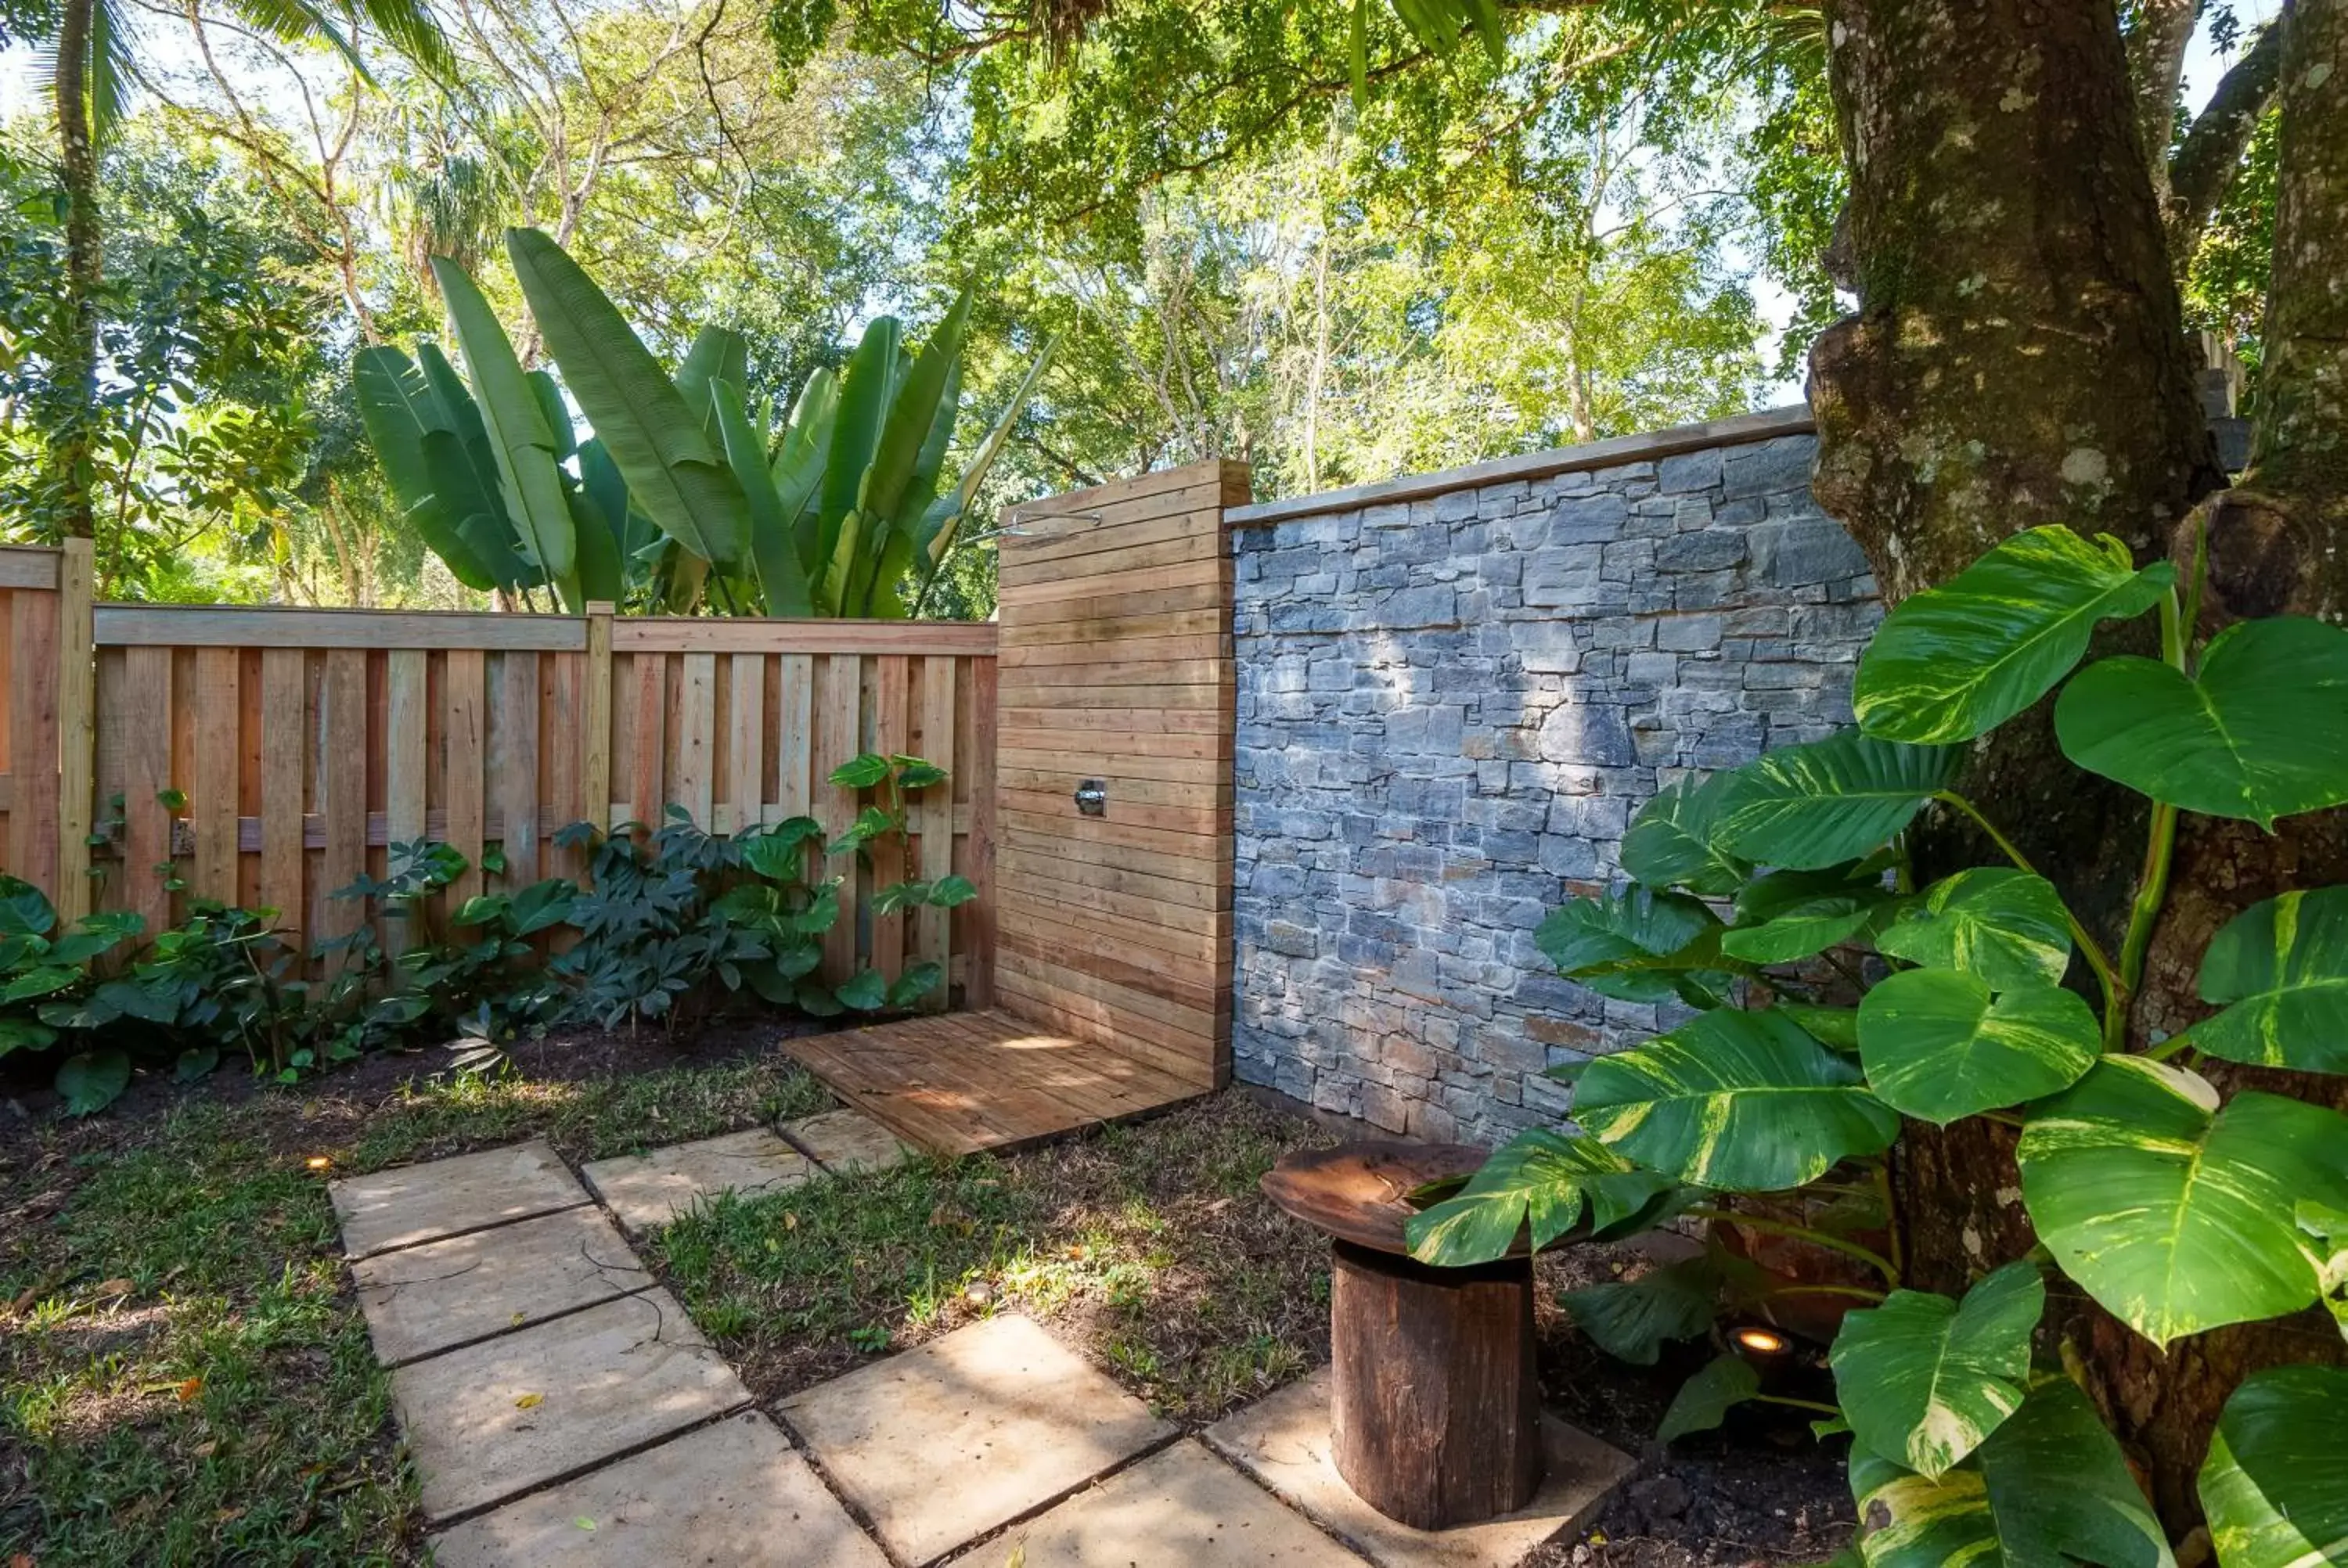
(1435, 1411)
(1361, 1192)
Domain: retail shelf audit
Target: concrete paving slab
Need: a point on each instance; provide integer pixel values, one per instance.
(1183, 1505)
(411, 1203)
(728, 1495)
(647, 1191)
(847, 1141)
(1283, 1442)
(495, 1418)
(442, 1294)
(944, 1444)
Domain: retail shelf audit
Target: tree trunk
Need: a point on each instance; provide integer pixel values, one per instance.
(2018, 359)
(71, 448)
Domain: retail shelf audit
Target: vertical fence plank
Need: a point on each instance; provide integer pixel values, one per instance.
(514, 764)
(342, 804)
(795, 727)
(76, 678)
(216, 704)
(932, 815)
(596, 738)
(39, 652)
(891, 736)
(746, 735)
(464, 733)
(407, 737)
(147, 762)
(648, 790)
(978, 989)
(840, 707)
(284, 742)
(697, 736)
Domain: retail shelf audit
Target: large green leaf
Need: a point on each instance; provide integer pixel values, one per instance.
(2174, 1213)
(24, 909)
(519, 439)
(2049, 1487)
(1539, 1180)
(2327, 1228)
(773, 551)
(1937, 1045)
(2275, 1485)
(2259, 732)
(798, 464)
(1957, 661)
(867, 388)
(1926, 1378)
(942, 523)
(468, 495)
(1636, 945)
(399, 409)
(1631, 1320)
(2280, 970)
(649, 432)
(90, 1080)
(717, 354)
(2006, 925)
(1828, 802)
(603, 574)
(1742, 1101)
(1673, 842)
(913, 416)
(1801, 930)
(1705, 1401)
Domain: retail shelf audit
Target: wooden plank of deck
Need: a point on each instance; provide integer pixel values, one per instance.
(956, 1083)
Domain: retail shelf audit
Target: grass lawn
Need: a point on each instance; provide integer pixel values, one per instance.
(185, 1376)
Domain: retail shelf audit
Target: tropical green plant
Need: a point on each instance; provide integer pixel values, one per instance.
(476, 468)
(687, 492)
(87, 50)
(2177, 1206)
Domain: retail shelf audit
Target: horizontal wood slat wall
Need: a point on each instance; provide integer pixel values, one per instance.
(1116, 664)
(306, 743)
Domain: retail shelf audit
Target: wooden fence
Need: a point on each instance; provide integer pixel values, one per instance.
(270, 755)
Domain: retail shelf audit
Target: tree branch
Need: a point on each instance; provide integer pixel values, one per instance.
(2204, 167)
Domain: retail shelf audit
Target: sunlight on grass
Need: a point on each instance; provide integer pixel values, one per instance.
(182, 1377)
(1150, 1247)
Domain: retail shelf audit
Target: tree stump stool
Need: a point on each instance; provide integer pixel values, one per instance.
(1434, 1408)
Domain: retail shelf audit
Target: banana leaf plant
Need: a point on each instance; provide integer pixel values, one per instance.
(687, 495)
(2177, 1200)
(842, 512)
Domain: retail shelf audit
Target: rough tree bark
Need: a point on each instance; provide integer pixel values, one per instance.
(2018, 359)
(78, 172)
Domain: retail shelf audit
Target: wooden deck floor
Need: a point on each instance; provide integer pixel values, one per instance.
(958, 1082)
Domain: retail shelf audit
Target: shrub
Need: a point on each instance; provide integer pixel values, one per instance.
(2177, 1207)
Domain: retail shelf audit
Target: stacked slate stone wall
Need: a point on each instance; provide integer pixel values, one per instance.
(1449, 706)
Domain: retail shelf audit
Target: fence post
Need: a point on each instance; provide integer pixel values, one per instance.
(77, 727)
(595, 759)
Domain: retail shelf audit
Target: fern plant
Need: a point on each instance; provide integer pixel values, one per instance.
(2178, 1207)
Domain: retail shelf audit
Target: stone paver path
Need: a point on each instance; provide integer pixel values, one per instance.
(562, 1408)
(1282, 1440)
(1183, 1506)
(735, 1494)
(944, 1444)
(444, 1294)
(647, 1191)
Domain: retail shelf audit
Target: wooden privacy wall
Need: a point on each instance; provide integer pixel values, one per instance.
(45, 735)
(1116, 659)
(306, 743)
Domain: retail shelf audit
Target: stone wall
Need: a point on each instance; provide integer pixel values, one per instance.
(1454, 691)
